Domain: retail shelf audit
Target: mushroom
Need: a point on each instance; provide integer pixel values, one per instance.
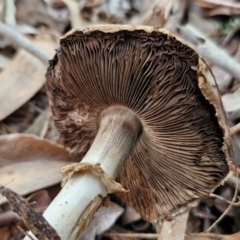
(133, 102)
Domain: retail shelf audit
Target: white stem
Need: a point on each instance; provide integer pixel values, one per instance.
(119, 129)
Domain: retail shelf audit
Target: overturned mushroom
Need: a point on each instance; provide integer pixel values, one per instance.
(136, 99)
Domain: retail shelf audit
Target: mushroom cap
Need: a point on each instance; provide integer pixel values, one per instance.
(183, 151)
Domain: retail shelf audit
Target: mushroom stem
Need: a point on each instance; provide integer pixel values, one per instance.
(74, 206)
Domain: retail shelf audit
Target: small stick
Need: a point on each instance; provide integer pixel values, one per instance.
(230, 205)
(237, 204)
(23, 42)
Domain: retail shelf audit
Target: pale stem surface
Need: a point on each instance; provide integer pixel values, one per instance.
(119, 129)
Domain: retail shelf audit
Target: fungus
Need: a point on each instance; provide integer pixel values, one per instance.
(133, 102)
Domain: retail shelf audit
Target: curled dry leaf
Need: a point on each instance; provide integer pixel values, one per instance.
(34, 221)
(29, 163)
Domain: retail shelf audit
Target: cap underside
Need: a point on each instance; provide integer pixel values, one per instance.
(179, 156)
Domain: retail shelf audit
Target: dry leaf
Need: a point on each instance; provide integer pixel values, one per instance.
(29, 163)
(7, 218)
(212, 236)
(224, 79)
(130, 216)
(22, 78)
(231, 104)
(4, 61)
(41, 13)
(39, 200)
(5, 233)
(235, 236)
(230, 6)
(103, 219)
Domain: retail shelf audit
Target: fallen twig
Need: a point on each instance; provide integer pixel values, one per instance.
(230, 205)
(237, 204)
(193, 236)
(23, 42)
(32, 219)
(76, 20)
(209, 50)
(10, 11)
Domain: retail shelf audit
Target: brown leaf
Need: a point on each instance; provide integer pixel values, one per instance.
(212, 236)
(8, 217)
(130, 216)
(42, 13)
(231, 104)
(39, 200)
(29, 163)
(103, 219)
(233, 7)
(235, 236)
(5, 233)
(21, 79)
(34, 221)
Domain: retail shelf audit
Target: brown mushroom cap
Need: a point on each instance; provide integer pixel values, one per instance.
(181, 154)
